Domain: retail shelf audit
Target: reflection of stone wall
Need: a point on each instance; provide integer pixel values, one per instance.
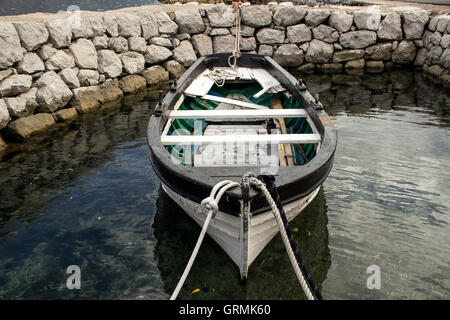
(52, 71)
(361, 94)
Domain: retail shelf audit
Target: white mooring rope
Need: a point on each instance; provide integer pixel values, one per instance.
(261, 186)
(210, 207)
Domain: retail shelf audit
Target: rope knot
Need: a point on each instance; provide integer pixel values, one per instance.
(209, 204)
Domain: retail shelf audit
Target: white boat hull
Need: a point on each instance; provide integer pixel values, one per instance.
(227, 229)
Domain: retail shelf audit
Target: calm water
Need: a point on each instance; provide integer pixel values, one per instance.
(14, 7)
(90, 198)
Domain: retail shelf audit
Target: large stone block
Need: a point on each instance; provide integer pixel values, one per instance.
(189, 21)
(270, 36)
(83, 50)
(319, 52)
(414, 21)
(10, 49)
(289, 55)
(256, 16)
(288, 16)
(358, 39)
(32, 34)
(52, 92)
(26, 127)
(221, 16)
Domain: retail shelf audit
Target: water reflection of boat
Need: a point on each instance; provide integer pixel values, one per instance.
(272, 274)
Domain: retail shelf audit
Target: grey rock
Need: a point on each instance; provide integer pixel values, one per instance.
(31, 100)
(100, 42)
(137, 44)
(174, 68)
(413, 23)
(31, 63)
(15, 84)
(265, 50)
(220, 16)
(133, 62)
(270, 36)
(111, 25)
(325, 33)
(203, 44)
(155, 75)
(341, 21)
(82, 29)
(88, 77)
(288, 55)
(316, 17)
(4, 114)
(165, 24)
(149, 25)
(185, 54)
(247, 44)
(405, 53)
(431, 39)
(11, 50)
(129, 25)
(118, 44)
(288, 16)
(160, 41)
(445, 59)
(445, 41)
(97, 25)
(223, 44)
(443, 23)
(32, 34)
(70, 77)
(219, 32)
(379, 51)
(60, 33)
(46, 51)
(298, 33)
(156, 54)
(52, 92)
(17, 107)
(256, 16)
(319, 52)
(434, 55)
(358, 39)
(6, 73)
(109, 63)
(347, 55)
(59, 60)
(420, 57)
(85, 55)
(390, 27)
(189, 21)
(368, 19)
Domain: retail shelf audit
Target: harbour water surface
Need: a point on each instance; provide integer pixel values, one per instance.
(90, 198)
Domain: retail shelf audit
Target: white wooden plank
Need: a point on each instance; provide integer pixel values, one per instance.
(234, 102)
(200, 86)
(249, 115)
(263, 138)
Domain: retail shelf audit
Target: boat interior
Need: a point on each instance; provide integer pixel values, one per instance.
(230, 117)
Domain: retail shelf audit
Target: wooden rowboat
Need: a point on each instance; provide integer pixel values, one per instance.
(220, 121)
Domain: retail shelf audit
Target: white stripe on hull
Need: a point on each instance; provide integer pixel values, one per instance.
(225, 228)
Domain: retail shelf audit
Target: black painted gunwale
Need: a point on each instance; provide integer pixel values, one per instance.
(196, 183)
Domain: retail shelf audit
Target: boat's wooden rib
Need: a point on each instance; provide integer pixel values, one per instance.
(234, 102)
(241, 115)
(263, 138)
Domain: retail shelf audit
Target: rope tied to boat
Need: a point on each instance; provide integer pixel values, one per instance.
(209, 207)
(264, 183)
(232, 60)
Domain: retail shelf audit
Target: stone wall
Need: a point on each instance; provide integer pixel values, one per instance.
(53, 70)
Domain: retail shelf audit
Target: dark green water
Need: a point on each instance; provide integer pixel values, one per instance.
(90, 198)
